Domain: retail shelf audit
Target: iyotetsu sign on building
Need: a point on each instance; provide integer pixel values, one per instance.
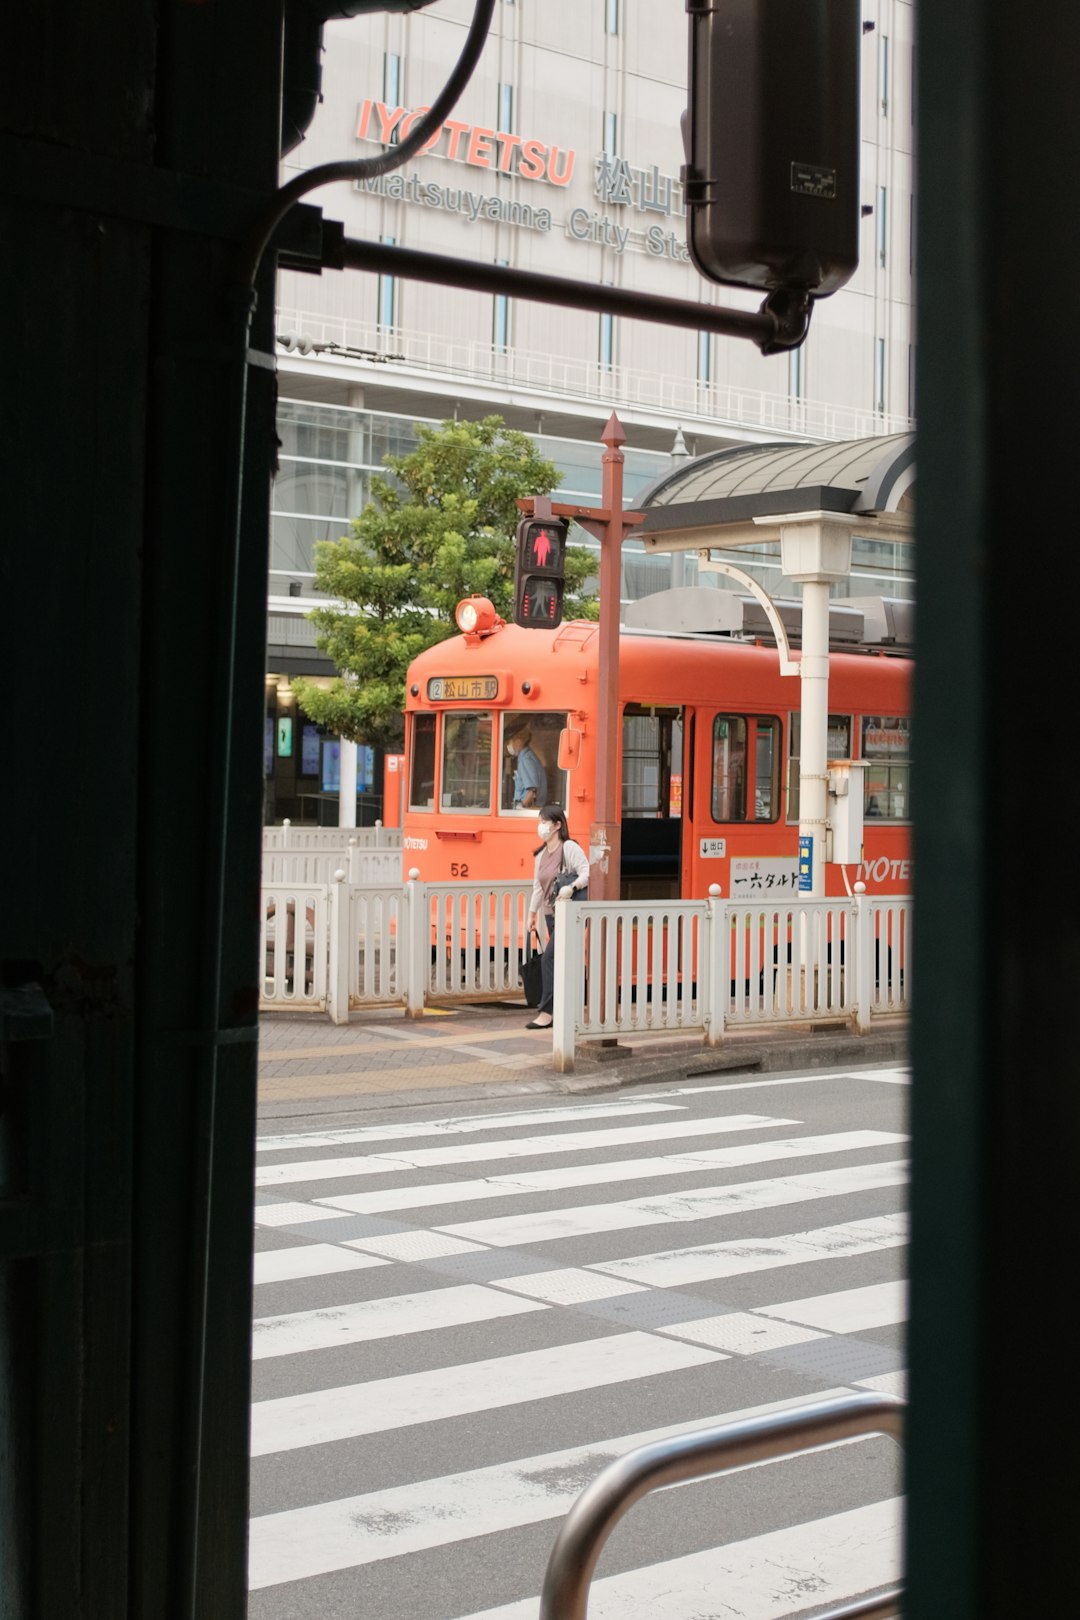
(474, 144)
(644, 193)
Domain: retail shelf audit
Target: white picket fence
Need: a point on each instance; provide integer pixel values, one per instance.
(359, 865)
(626, 969)
(338, 946)
(621, 969)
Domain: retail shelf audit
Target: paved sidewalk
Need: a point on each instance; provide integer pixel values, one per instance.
(381, 1057)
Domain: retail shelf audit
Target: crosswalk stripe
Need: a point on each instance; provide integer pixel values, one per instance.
(569, 1285)
(692, 1204)
(382, 1318)
(290, 1422)
(707, 1262)
(599, 1174)
(300, 1542)
(741, 1333)
(310, 1260)
(287, 1214)
(522, 1147)
(893, 1076)
(853, 1311)
(463, 1125)
(894, 1383)
(766, 1577)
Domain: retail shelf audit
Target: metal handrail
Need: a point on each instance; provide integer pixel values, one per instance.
(695, 1456)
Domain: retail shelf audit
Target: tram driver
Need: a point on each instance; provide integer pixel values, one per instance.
(530, 777)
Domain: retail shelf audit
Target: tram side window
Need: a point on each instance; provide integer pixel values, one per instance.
(529, 769)
(466, 762)
(838, 746)
(422, 775)
(886, 747)
(740, 793)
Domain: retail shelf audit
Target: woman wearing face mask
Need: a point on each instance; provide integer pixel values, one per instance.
(557, 853)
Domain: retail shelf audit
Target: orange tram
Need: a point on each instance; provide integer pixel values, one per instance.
(708, 760)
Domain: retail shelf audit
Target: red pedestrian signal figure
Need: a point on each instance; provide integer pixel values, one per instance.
(538, 572)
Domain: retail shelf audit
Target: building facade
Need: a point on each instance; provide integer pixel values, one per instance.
(562, 156)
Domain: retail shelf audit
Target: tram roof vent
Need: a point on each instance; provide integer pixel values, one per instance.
(888, 621)
(861, 621)
(845, 623)
(690, 610)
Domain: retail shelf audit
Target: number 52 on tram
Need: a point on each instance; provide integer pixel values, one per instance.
(503, 719)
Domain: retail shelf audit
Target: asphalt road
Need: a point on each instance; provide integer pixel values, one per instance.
(463, 1313)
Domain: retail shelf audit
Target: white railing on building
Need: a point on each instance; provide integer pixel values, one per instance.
(557, 376)
(622, 970)
(329, 838)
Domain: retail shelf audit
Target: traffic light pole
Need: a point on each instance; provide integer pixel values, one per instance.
(609, 524)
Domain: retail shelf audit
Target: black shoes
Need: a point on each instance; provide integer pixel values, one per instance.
(536, 1024)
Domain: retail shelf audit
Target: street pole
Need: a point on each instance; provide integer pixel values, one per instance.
(605, 840)
(815, 552)
(679, 454)
(609, 524)
(347, 784)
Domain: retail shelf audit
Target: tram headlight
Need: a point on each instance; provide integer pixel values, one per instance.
(475, 616)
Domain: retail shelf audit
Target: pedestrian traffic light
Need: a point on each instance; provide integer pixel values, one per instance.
(539, 566)
(772, 143)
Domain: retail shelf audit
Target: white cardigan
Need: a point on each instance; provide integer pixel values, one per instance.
(574, 859)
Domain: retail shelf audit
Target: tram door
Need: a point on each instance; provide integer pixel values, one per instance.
(652, 802)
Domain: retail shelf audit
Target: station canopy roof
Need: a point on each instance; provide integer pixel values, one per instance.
(748, 483)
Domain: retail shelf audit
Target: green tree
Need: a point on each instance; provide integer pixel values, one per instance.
(440, 528)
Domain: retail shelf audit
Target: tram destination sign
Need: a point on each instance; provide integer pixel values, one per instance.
(462, 688)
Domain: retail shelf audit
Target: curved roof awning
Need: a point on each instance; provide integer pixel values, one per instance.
(727, 489)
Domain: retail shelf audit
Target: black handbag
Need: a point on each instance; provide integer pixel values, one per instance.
(563, 879)
(531, 975)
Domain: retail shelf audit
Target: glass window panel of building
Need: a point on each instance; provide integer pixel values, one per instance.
(883, 74)
(500, 319)
(392, 88)
(606, 351)
(293, 541)
(387, 295)
(329, 453)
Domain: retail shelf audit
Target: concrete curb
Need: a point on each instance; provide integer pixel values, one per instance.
(796, 1052)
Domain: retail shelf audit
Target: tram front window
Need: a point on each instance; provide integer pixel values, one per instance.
(422, 778)
(466, 762)
(530, 774)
